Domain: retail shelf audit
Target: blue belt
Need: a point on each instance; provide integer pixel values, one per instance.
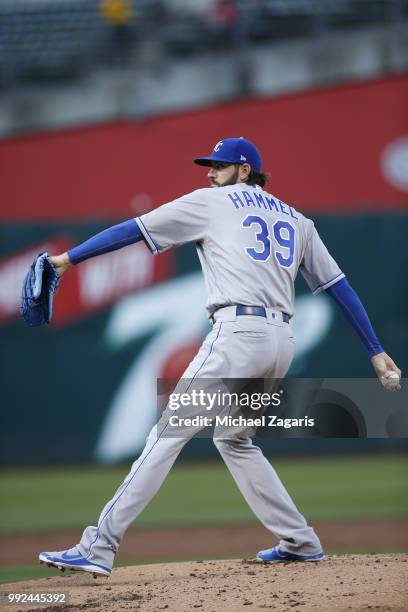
(258, 311)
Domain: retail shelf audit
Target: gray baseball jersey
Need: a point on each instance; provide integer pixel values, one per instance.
(250, 245)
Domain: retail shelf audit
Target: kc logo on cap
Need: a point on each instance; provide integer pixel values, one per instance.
(233, 151)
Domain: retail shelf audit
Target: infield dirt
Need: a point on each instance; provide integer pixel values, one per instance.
(340, 583)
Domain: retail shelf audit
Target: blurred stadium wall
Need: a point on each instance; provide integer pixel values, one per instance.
(339, 153)
(71, 62)
(341, 149)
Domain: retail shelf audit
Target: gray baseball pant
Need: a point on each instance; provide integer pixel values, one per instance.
(237, 347)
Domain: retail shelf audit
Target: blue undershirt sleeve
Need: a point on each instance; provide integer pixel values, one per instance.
(111, 239)
(349, 302)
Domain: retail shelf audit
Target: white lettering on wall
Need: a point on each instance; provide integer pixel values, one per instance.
(103, 278)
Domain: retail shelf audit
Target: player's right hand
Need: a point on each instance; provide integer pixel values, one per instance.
(61, 263)
(383, 364)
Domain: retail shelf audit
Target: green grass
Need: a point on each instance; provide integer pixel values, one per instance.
(34, 500)
(15, 573)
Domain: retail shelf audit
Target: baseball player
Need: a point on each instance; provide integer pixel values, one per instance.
(251, 246)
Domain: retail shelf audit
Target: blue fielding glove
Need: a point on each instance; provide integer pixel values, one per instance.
(39, 287)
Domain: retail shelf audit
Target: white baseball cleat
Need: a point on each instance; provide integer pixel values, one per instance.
(66, 560)
(276, 555)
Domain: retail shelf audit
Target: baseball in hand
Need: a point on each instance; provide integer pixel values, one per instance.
(390, 380)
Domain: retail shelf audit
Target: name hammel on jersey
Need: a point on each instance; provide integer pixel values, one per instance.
(224, 223)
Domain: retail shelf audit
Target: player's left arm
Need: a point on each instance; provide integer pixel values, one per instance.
(108, 240)
(177, 222)
(349, 302)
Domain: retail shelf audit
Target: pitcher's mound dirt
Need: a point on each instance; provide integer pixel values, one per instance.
(354, 582)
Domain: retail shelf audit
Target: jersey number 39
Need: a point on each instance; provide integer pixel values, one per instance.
(282, 231)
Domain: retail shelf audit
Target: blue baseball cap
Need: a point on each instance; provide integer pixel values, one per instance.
(233, 151)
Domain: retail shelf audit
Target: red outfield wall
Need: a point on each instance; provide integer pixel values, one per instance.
(326, 150)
